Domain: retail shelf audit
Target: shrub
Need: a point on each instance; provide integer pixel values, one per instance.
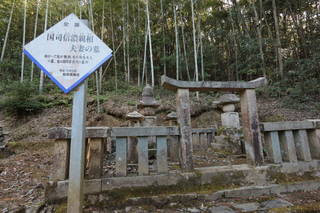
(21, 99)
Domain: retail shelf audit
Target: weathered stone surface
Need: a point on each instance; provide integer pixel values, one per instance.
(134, 115)
(58, 190)
(288, 125)
(278, 203)
(229, 108)
(247, 207)
(251, 128)
(193, 210)
(230, 119)
(162, 155)
(228, 99)
(231, 86)
(149, 121)
(302, 145)
(273, 146)
(60, 169)
(121, 156)
(184, 120)
(148, 97)
(314, 143)
(143, 162)
(95, 151)
(248, 191)
(91, 132)
(288, 148)
(221, 209)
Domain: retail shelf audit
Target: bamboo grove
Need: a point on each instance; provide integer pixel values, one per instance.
(184, 39)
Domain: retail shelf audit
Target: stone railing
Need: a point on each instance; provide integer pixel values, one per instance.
(292, 141)
(165, 141)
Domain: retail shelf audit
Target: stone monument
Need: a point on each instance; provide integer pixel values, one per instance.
(229, 118)
(148, 106)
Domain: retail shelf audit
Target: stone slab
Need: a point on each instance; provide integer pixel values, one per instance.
(58, 190)
(174, 85)
(289, 125)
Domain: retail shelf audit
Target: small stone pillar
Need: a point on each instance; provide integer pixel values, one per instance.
(173, 141)
(148, 106)
(229, 118)
(314, 139)
(135, 120)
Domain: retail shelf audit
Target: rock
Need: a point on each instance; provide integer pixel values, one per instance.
(247, 207)
(128, 208)
(193, 210)
(221, 209)
(229, 108)
(135, 115)
(278, 203)
(227, 99)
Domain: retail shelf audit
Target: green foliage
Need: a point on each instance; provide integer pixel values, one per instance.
(22, 99)
(230, 40)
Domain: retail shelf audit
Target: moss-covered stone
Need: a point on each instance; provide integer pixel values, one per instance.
(282, 178)
(309, 208)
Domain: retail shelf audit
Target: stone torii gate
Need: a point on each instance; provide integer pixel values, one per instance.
(249, 112)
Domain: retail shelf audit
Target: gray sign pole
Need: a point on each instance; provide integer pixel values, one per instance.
(77, 150)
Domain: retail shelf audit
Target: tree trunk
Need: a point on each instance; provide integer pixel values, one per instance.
(138, 46)
(150, 43)
(7, 34)
(128, 42)
(113, 47)
(163, 39)
(102, 37)
(145, 54)
(201, 49)
(124, 42)
(45, 29)
(194, 43)
(23, 39)
(177, 40)
(34, 36)
(278, 41)
(185, 50)
(259, 27)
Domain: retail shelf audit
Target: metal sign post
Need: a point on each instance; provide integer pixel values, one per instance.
(77, 150)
